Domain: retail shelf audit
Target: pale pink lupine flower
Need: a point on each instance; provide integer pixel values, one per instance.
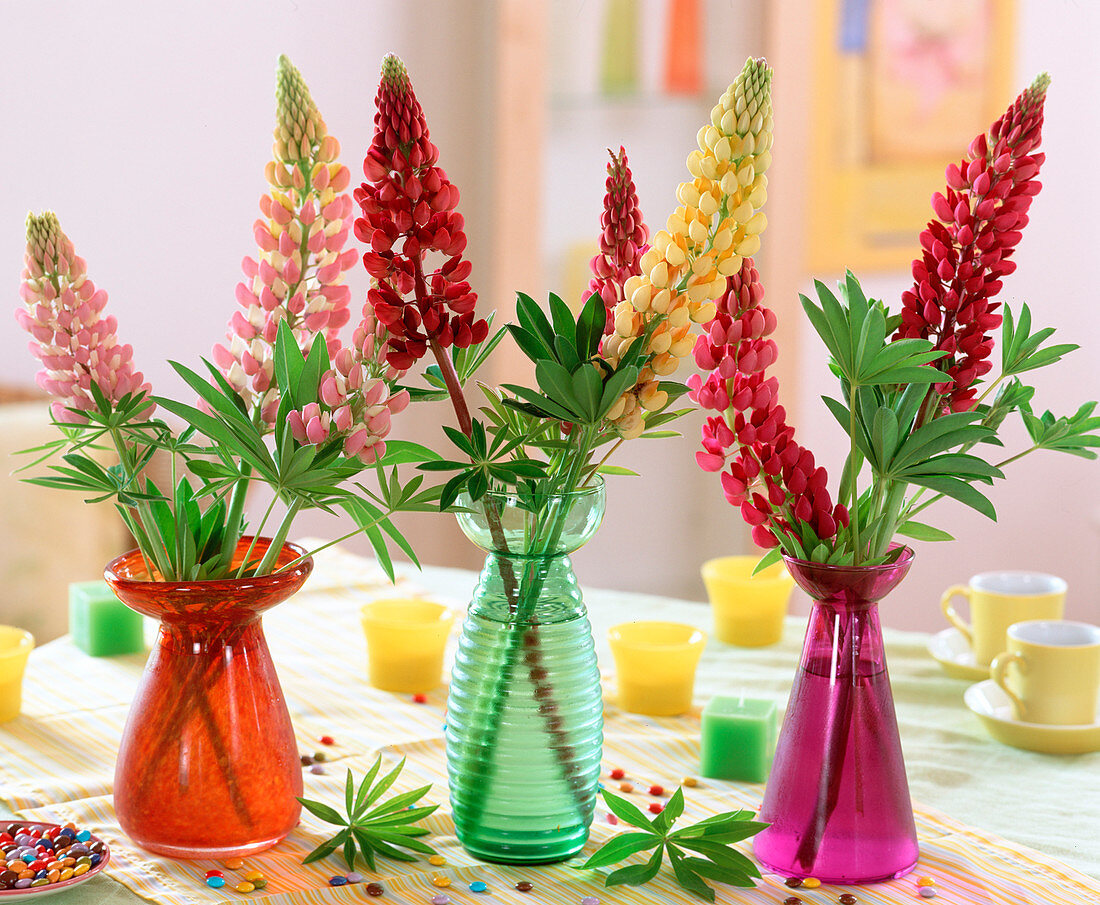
(297, 275)
(63, 312)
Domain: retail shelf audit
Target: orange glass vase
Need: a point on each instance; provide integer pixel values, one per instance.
(208, 766)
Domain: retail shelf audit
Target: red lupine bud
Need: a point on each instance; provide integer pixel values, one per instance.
(762, 537)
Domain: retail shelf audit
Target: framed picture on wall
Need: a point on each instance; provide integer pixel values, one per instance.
(900, 89)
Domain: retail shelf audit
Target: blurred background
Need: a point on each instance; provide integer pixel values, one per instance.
(146, 127)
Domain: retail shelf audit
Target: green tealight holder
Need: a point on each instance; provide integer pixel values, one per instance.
(100, 624)
(738, 738)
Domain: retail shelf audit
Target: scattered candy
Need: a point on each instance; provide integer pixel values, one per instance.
(337, 881)
(625, 787)
(793, 882)
(420, 699)
(847, 899)
(327, 740)
(792, 900)
(214, 872)
(234, 863)
(656, 807)
(215, 882)
(928, 892)
(259, 883)
(317, 768)
(926, 881)
(441, 882)
(375, 889)
(612, 819)
(590, 900)
(811, 882)
(355, 878)
(524, 886)
(253, 875)
(617, 773)
(478, 886)
(656, 790)
(441, 899)
(319, 757)
(690, 781)
(245, 886)
(437, 860)
(306, 760)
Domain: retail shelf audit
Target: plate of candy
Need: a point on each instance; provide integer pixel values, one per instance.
(39, 859)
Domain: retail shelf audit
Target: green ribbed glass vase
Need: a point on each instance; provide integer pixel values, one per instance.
(525, 713)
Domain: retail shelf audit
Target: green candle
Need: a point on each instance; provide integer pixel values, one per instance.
(738, 738)
(100, 624)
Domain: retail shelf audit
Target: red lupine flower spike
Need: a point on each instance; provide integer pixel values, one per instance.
(772, 479)
(408, 206)
(623, 240)
(967, 249)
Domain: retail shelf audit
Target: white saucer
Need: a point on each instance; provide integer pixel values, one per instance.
(952, 652)
(991, 705)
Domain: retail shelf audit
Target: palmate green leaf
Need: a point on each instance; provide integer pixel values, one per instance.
(621, 846)
(534, 321)
(712, 871)
(626, 811)
(949, 431)
(539, 405)
(960, 465)
(617, 470)
(326, 848)
(771, 557)
(675, 807)
(637, 874)
(322, 810)
(590, 326)
(687, 877)
(920, 531)
(587, 390)
(564, 325)
(958, 490)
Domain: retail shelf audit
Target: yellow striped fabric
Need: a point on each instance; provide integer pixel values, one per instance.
(56, 763)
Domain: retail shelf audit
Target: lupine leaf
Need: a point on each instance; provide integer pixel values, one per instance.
(637, 874)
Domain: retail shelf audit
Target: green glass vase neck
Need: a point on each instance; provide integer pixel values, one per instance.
(500, 523)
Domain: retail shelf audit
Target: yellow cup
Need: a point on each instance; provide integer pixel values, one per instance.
(1051, 671)
(998, 600)
(748, 609)
(655, 663)
(406, 638)
(16, 645)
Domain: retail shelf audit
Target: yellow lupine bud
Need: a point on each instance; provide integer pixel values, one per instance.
(708, 204)
(675, 256)
(750, 245)
(729, 121)
(649, 260)
(280, 198)
(701, 138)
(693, 162)
(679, 317)
(730, 265)
(756, 224)
(697, 232)
(710, 166)
(697, 292)
(676, 225)
(748, 145)
(639, 298)
(723, 239)
(743, 121)
(660, 301)
(746, 173)
(729, 184)
(653, 398)
(722, 149)
(658, 276)
(739, 104)
(682, 347)
(616, 411)
(759, 193)
(757, 123)
(327, 197)
(711, 136)
(702, 265)
(716, 115)
(743, 213)
(659, 342)
(717, 286)
(297, 178)
(295, 230)
(763, 161)
(688, 194)
(624, 323)
(705, 313)
(632, 284)
(663, 365)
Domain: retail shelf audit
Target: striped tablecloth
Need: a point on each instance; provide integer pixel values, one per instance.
(56, 763)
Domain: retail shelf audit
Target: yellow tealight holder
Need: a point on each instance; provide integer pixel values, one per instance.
(406, 638)
(655, 663)
(16, 645)
(748, 609)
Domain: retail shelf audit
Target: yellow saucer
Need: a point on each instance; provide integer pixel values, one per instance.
(991, 705)
(950, 650)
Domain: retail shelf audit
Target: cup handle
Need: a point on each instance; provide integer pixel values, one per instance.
(949, 610)
(997, 673)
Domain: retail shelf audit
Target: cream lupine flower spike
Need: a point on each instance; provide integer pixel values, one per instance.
(718, 223)
(298, 276)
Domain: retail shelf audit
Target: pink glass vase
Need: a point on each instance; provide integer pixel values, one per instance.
(208, 764)
(837, 798)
